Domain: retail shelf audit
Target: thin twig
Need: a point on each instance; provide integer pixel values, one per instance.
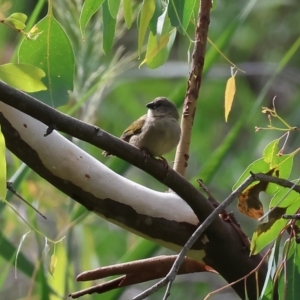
(10, 188)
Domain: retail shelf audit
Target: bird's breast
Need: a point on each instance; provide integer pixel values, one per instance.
(159, 136)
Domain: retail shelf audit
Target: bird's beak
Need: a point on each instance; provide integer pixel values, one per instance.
(150, 105)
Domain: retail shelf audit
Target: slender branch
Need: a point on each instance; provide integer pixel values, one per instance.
(170, 277)
(194, 83)
(279, 181)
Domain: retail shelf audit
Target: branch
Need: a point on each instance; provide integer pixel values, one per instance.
(135, 272)
(194, 83)
(87, 181)
(101, 139)
(170, 277)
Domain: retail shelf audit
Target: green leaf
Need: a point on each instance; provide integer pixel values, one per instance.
(269, 231)
(127, 8)
(157, 13)
(258, 166)
(113, 6)
(147, 12)
(18, 20)
(89, 8)
(2, 167)
(283, 170)
(284, 198)
(270, 153)
(159, 54)
(53, 53)
(289, 287)
(180, 13)
(23, 76)
(109, 26)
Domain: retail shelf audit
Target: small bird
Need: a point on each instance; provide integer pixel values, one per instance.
(157, 132)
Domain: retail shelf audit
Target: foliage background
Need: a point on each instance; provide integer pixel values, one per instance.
(256, 35)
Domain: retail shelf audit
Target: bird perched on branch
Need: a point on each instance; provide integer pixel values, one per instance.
(157, 132)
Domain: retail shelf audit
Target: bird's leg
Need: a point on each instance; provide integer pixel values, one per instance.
(165, 162)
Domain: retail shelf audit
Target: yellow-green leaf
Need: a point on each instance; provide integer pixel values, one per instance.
(88, 10)
(18, 20)
(2, 168)
(229, 95)
(53, 263)
(155, 45)
(53, 53)
(23, 76)
(147, 12)
(113, 6)
(127, 8)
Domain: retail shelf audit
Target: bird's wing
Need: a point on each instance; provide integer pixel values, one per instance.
(134, 128)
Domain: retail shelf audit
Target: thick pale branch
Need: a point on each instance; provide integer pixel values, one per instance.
(222, 249)
(99, 138)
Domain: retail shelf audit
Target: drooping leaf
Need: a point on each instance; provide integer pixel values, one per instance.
(23, 77)
(2, 167)
(89, 8)
(180, 13)
(157, 13)
(113, 6)
(18, 20)
(53, 264)
(147, 11)
(229, 95)
(269, 231)
(288, 287)
(158, 47)
(53, 53)
(127, 8)
(109, 26)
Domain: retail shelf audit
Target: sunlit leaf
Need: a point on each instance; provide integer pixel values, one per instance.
(284, 198)
(53, 53)
(258, 166)
(113, 6)
(283, 170)
(23, 77)
(148, 8)
(53, 263)
(18, 20)
(289, 287)
(127, 7)
(89, 8)
(180, 13)
(270, 153)
(269, 231)
(109, 26)
(2, 167)
(154, 46)
(229, 95)
(159, 46)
